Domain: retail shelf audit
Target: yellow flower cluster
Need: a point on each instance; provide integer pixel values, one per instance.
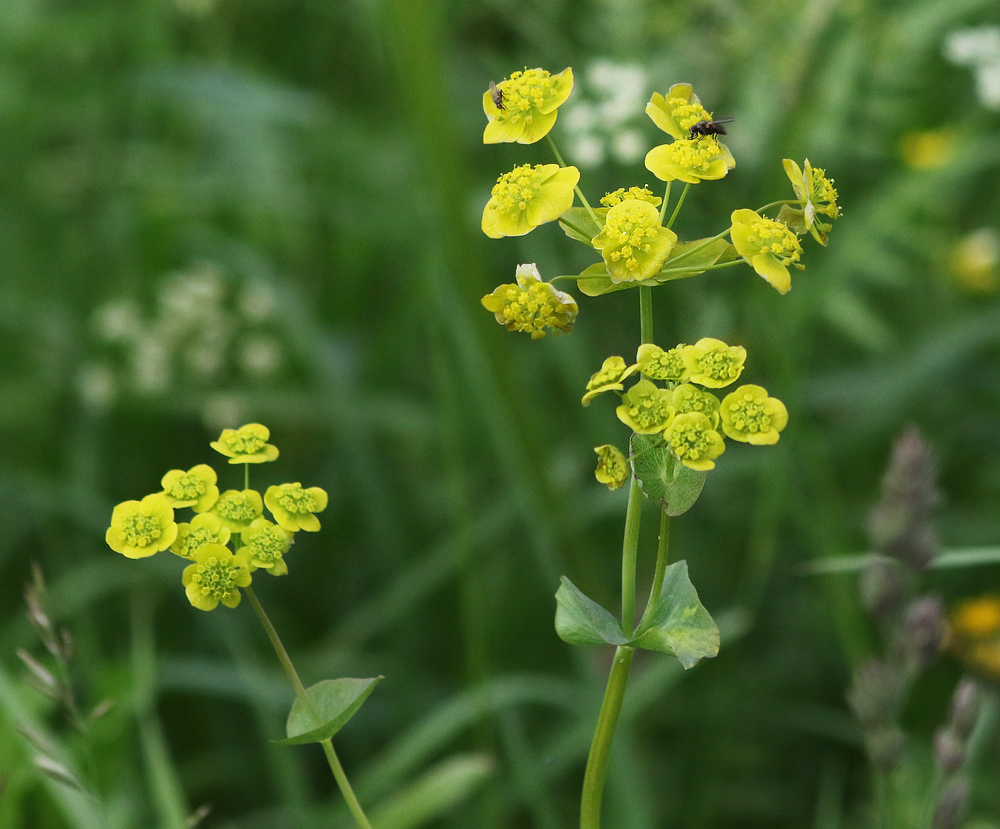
(216, 573)
(690, 418)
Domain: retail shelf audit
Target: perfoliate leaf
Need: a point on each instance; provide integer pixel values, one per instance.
(596, 280)
(662, 477)
(678, 623)
(581, 621)
(335, 702)
(579, 226)
(682, 263)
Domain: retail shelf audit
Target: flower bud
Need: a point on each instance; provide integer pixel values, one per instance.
(964, 707)
(874, 694)
(899, 526)
(949, 750)
(881, 587)
(886, 747)
(922, 631)
(951, 804)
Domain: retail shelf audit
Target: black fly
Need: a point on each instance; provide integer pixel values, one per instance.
(709, 127)
(497, 95)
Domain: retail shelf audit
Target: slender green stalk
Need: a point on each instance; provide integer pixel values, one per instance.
(300, 692)
(645, 314)
(662, 557)
(579, 192)
(680, 202)
(777, 204)
(630, 548)
(600, 748)
(666, 201)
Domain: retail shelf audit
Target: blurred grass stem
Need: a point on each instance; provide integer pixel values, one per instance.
(331, 756)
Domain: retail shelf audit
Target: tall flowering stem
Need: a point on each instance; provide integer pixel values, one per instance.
(670, 398)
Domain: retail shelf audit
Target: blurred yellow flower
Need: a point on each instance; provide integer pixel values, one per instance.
(975, 261)
(928, 149)
(974, 634)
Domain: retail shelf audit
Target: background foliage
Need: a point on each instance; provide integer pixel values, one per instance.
(213, 212)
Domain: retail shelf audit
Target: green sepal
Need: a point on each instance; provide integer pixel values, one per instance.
(582, 621)
(793, 218)
(577, 223)
(677, 622)
(335, 701)
(663, 479)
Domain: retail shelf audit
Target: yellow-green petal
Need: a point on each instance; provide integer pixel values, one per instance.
(750, 416)
(530, 99)
(142, 528)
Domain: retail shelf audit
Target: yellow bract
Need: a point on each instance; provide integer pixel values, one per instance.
(528, 196)
(690, 160)
(531, 305)
(142, 528)
(529, 101)
(633, 242)
(612, 466)
(767, 245)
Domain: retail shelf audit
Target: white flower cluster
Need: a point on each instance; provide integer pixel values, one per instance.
(201, 331)
(606, 123)
(979, 49)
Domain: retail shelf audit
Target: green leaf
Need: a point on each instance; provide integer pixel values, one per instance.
(596, 280)
(682, 263)
(335, 701)
(664, 480)
(581, 621)
(677, 622)
(579, 226)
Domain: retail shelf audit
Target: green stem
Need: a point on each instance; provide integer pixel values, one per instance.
(300, 692)
(246, 476)
(630, 548)
(645, 314)
(680, 273)
(680, 201)
(576, 187)
(600, 748)
(662, 557)
(777, 204)
(704, 243)
(607, 719)
(666, 201)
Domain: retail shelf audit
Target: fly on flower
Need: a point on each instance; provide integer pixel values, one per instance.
(710, 127)
(497, 95)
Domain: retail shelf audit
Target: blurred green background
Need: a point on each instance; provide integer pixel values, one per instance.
(221, 211)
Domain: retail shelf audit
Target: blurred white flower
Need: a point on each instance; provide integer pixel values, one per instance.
(118, 320)
(603, 118)
(259, 355)
(150, 365)
(979, 49)
(97, 386)
(256, 301)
